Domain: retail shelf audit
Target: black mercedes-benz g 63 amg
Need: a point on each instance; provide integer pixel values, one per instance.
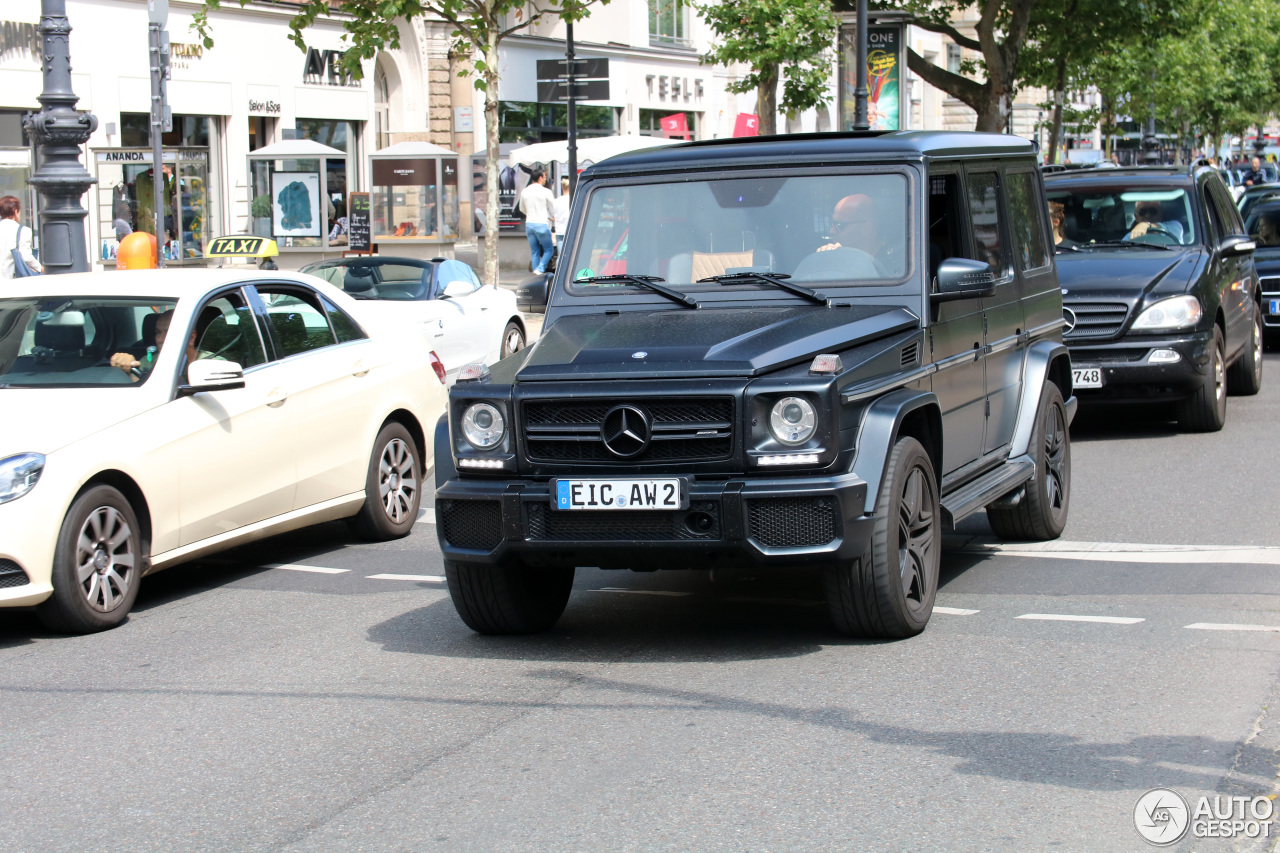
(804, 350)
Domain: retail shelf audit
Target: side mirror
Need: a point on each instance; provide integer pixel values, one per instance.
(1237, 244)
(211, 374)
(531, 295)
(456, 288)
(962, 278)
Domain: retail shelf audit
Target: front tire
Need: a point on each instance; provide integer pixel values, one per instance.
(1042, 513)
(1244, 379)
(510, 599)
(512, 339)
(1206, 410)
(891, 595)
(97, 565)
(393, 486)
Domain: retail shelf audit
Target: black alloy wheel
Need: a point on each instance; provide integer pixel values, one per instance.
(1244, 379)
(1039, 512)
(1206, 409)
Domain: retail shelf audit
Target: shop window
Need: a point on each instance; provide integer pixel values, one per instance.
(415, 198)
(15, 165)
(669, 22)
(12, 133)
(651, 122)
(188, 131)
(259, 132)
(528, 122)
(126, 203)
(381, 109)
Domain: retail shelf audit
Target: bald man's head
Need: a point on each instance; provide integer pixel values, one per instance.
(854, 223)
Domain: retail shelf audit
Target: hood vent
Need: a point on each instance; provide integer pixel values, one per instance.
(910, 354)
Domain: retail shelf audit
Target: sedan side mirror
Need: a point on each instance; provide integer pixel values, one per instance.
(211, 374)
(962, 278)
(1237, 244)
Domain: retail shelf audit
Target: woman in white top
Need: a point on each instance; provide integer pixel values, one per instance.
(10, 207)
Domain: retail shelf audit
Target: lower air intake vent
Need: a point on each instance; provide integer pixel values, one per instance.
(11, 575)
(792, 522)
(471, 524)
(910, 355)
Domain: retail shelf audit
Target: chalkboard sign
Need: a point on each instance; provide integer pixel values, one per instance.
(358, 222)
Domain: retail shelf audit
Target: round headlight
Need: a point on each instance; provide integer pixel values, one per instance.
(482, 425)
(792, 420)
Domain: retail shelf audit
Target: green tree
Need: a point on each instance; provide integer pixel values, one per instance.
(479, 26)
(779, 39)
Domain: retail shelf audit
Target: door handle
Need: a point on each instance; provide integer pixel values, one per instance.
(276, 397)
(359, 369)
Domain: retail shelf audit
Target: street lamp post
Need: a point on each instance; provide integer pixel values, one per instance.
(1150, 144)
(861, 121)
(1260, 143)
(59, 130)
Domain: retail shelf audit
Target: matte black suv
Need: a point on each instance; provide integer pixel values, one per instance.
(806, 350)
(1159, 289)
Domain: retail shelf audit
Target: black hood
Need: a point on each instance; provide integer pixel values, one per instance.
(1123, 275)
(703, 342)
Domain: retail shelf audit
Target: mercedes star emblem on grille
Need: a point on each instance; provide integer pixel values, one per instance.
(1070, 317)
(625, 431)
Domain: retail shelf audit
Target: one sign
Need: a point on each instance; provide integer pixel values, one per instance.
(158, 11)
(322, 68)
(553, 91)
(358, 208)
(241, 247)
(748, 124)
(591, 66)
(884, 77)
(675, 126)
(464, 119)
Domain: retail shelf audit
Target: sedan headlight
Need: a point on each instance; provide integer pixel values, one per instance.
(483, 425)
(1178, 312)
(792, 420)
(18, 475)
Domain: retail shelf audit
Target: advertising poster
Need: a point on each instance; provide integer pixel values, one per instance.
(884, 77)
(295, 204)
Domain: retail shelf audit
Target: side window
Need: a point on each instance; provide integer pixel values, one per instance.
(984, 212)
(1227, 212)
(225, 329)
(1217, 227)
(455, 271)
(946, 235)
(1026, 221)
(343, 326)
(296, 321)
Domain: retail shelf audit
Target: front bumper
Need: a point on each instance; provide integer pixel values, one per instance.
(28, 534)
(730, 522)
(1128, 372)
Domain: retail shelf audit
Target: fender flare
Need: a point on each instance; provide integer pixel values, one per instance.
(445, 471)
(1040, 362)
(879, 433)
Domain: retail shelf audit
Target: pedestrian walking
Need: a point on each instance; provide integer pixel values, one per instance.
(537, 205)
(14, 236)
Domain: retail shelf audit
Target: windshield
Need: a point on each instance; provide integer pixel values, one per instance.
(76, 342)
(839, 229)
(1150, 215)
(376, 280)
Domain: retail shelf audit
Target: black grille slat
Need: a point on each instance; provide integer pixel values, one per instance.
(12, 575)
(568, 430)
(910, 354)
(1098, 356)
(792, 522)
(644, 525)
(471, 524)
(1097, 319)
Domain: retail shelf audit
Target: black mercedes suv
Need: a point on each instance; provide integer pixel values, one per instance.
(804, 350)
(1158, 289)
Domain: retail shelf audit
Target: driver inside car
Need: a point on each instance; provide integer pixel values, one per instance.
(1146, 216)
(136, 369)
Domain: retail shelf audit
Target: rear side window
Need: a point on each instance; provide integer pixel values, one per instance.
(1227, 212)
(1026, 221)
(343, 326)
(297, 323)
(984, 211)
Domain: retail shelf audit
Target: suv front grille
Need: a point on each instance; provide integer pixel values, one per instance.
(1096, 319)
(1271, 285)
(11, 575)
(684, 429)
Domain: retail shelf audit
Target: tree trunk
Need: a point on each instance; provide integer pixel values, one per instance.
(491, 202)
(1059, 99)
(767, 100)
(993, 114)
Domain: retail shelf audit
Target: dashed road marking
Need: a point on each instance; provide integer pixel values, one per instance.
(1129, 552)
(426, 515)
(954, 611)
(423, 578)
(641, 591)
(1227, 626)
(1062, 617)
(298, 567)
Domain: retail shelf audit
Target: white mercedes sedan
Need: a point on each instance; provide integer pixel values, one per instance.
(155, 416)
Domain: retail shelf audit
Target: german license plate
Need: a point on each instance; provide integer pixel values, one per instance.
(1086, 377)
(1275, 306)
(666, 493)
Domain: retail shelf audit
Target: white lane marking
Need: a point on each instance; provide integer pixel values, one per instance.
(426, 515)
(1228, 626)
(1129, 552)
(298, 567)
(954, 611)
(426, 578)
(1061, 617)
(640, 591)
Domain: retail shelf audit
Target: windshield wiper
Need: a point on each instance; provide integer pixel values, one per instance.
(649, 281)
(1121, 244)
(776, 279)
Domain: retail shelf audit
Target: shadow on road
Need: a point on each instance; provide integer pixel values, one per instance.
(1104, 422)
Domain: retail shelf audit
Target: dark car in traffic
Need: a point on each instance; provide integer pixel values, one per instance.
(1263, 225)
(812, 350)
(1158, 289)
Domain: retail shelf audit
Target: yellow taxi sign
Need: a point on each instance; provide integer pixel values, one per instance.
(241, 247)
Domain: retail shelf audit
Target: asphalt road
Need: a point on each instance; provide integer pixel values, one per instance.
(252, 708)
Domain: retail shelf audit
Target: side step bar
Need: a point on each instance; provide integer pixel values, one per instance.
(970, 498)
